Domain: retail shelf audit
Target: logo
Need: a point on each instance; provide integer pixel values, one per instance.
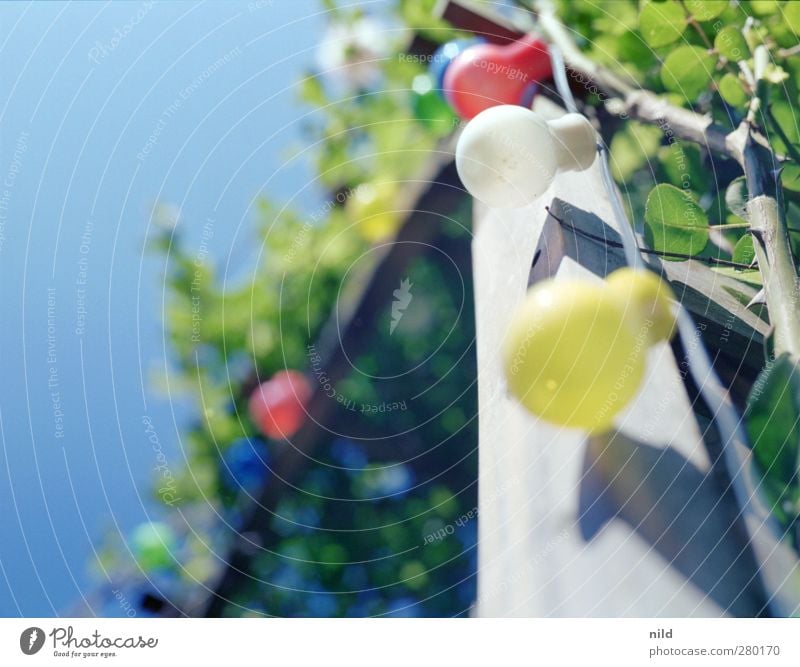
(31, 640)
(402, 297)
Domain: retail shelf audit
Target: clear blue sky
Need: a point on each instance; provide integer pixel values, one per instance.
(78, 105)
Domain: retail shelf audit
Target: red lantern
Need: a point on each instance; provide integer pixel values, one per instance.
(277, 406)
(487, 75)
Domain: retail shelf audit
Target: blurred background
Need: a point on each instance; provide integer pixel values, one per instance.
(197, 197)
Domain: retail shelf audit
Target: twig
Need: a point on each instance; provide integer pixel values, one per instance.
(788, 53)
(626, 97)
(767, 218)
(692, 21)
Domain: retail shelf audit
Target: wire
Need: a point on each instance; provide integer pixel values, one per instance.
(734, 447)
(717, 261)
(560, 77)
(629, 243)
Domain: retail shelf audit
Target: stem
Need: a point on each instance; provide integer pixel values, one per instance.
(767, 219)
(692, 21)
(788, 53)
(557, 33)
(771, 243)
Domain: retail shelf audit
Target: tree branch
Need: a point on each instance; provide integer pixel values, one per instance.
(746, 145)
(771, 242)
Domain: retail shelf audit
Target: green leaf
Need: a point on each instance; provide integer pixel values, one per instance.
(763, 7)
(631, 149)
(683, 166)
(743, 252)
(731, 90)
(791, 14)
(674, 222)
(688, 71)
(790, 177)
(788, 118)
(750, 277)
(312, 92)
(773, 426)
(661, 23)
(736, 197)
(731, 44)
(705, 10)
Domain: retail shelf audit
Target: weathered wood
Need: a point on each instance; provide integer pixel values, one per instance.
(478, 19)
(733, 333)
(551, 538)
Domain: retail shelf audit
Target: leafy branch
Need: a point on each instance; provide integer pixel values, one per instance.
(746, 144)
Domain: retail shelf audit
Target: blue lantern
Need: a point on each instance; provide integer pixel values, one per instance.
(245, 464)
(444, 55)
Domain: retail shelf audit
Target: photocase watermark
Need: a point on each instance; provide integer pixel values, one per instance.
(31, 640)
(402, 299)
(680, 159)
(727, 327)
(326, 384)
(492, 67)
(591, 86)
(632, 361)
(760, 385)
(301, 238)
(168, 488)
(66, 644)
(82, 278)
(464, 519)
(450, 528)
(422, 58)
(512, 73)
(124, 603)
(183, 96)
(655, 414)
(522, 350)
(197, 279)
(726, 41)
(259, 4)
(530, 566)
(101, 49)
(53, 384)
(20, 148)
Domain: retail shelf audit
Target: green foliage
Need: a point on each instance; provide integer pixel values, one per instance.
(632, 148)
(697, 55)
(661, 23)
(381, 491)
(687, 70)
(744, 252)
(705, 10)
(773, 426)
(674, 222)
(731, 90)
(731, 44)
(736, 197)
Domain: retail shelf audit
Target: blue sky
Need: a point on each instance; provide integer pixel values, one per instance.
(88, 87)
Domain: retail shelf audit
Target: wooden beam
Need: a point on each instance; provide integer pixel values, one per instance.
(479, 20)
(439, 190)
